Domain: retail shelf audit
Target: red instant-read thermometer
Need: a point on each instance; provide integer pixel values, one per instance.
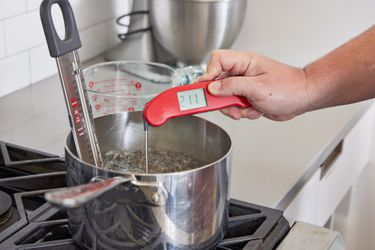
(187, 100)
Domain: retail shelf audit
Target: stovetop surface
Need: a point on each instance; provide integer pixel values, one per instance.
(27, 221)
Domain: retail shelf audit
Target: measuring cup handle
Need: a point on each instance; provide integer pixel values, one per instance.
(58, 47)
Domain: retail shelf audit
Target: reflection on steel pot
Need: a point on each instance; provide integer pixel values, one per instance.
(182, 210)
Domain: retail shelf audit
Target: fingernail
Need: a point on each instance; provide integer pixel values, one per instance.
(214, 87)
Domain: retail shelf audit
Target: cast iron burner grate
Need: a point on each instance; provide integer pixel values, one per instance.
(32, 223)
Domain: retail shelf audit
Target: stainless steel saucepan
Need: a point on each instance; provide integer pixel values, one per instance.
(180, 210)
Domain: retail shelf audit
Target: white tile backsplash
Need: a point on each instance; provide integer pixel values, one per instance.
(94, 41)
(10, 8)
(33, 4)
(22, 39)
(23, 32)
(91, 12)
(2, 41)
(111, 33)
(42, 64)
(14, 73)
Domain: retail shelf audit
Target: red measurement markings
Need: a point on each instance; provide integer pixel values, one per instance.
(91, 84)
(138, 85)
(74, 102)
(134, 101)
(77, 116)
(130, 109)
(126, 82)
(97, 106)
(80, 131)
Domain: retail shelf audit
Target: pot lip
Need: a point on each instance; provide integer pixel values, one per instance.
(120, 173)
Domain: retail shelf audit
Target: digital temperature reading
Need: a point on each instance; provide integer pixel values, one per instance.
(192, 99)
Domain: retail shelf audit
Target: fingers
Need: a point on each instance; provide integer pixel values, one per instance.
(213, 70)
(232, 112)
(233, 62)
(238, 113)
(243, 86)
(279, 118)
(250, 113)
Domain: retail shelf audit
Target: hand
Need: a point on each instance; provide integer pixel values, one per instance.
(275, 90)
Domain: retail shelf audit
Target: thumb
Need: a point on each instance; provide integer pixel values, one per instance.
(231, 86)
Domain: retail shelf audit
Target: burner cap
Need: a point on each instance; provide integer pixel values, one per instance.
(5, 203)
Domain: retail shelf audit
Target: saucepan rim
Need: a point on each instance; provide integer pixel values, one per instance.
(123, 173)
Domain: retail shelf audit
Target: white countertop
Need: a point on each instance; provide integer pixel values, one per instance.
(270, 159)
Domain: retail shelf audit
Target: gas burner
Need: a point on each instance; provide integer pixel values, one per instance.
(5, 205)
(19, 160)
(28, 222)
(8, 214)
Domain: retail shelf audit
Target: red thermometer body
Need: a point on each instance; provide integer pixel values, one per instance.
(187, 100)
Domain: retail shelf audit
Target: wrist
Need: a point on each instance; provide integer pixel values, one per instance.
(313, 96)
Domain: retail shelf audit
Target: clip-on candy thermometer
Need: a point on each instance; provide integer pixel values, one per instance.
(187, 100)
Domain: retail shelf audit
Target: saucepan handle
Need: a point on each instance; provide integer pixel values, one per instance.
(73, 197)
(57, 46)
(145, 193)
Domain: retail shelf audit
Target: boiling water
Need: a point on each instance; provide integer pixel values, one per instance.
(150, 160)
(159, 161)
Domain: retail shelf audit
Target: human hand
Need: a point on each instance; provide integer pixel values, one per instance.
(275, 90)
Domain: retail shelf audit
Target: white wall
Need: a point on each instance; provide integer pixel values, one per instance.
(24, 57)
(292, 31)
(299, 31)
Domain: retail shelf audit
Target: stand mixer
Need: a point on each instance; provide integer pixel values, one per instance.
(183, 32)
(190, 29)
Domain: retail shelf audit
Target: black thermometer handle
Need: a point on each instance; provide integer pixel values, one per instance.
(58, 47)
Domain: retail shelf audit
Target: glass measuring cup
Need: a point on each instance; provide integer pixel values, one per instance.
(120, 86)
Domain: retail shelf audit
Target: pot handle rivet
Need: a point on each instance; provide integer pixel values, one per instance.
(155, 197)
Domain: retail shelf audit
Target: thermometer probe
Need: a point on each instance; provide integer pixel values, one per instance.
(187, 100)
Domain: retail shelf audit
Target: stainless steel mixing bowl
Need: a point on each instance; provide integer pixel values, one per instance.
(191, 29)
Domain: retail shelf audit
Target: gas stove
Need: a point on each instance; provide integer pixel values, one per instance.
(27, 221)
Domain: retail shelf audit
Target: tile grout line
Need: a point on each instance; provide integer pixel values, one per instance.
(44, 43)
(29, 64)
(27, 7)
(97, 23)
(5, 44)
(18, 14)
(21, 52)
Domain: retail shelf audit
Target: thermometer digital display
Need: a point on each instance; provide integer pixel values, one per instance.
(191, 99)
(187, 100)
